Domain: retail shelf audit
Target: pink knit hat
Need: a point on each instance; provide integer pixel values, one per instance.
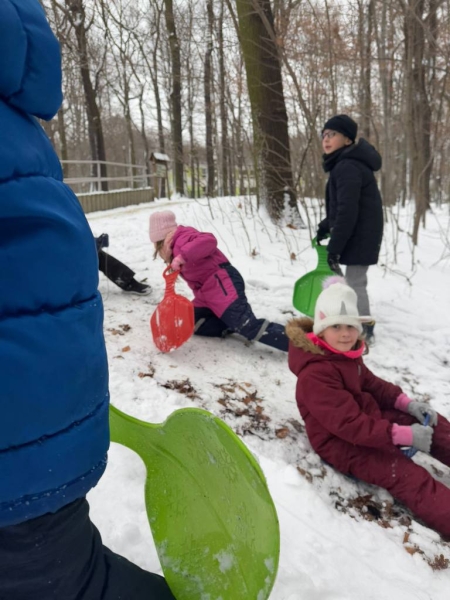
(161, 223)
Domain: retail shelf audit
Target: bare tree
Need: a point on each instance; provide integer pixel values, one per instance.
(365, 41)
(75, 12)
(270, 124)
(120, 20)
(418, 108)
(175, 98)
(226, 185)
(385, 63)
(208, 84)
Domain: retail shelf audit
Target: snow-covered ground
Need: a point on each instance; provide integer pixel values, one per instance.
(329, 550)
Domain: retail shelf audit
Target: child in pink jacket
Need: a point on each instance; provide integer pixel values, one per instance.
(357, 422)
(220, 303)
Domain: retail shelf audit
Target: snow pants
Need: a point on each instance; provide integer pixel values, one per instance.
(356, 276)
(238, 317)
(114, 270)
(60, 556)
(389, 468)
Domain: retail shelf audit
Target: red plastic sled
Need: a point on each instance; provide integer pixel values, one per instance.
(172, 323)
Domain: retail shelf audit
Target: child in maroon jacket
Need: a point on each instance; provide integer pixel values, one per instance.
(356, 421)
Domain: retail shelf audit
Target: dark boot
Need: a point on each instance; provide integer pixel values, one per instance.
(369, 335)
(120, 274)
(136, 287)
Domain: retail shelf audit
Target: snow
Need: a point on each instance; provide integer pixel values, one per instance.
(328, 550)
(225, 560)
(160, 156)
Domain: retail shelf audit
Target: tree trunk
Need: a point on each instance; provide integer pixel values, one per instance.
(64, 155)
(223, 107)
(193, 155)
(145, 138)
(129, 127)
(192, 145)
(365, 39)
(159, 112)
(419, 112)
(270, 125)
(384, 40)
(232, 165)
(329, 39)
(238, 144)
(210, 175)
(95, 130)
(175, 99)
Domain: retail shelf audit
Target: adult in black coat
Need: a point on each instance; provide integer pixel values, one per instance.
(354, 213)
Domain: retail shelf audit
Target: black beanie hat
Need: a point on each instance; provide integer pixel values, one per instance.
(343, 124)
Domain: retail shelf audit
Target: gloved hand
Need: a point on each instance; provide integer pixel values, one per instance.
(177, 263)
(102, 241)
(422, 437)
(333, 263)
(418, 410)
(322, 233)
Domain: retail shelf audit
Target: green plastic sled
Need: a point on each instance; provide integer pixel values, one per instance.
(308, 287)
(213, 520)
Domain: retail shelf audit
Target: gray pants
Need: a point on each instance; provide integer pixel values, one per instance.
(356, 276)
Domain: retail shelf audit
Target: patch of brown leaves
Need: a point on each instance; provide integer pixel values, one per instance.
(184, 387)
(385, 514)
(150, 372)
(121, 331)
(239, 401)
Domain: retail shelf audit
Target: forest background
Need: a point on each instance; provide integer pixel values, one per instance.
(236, 92)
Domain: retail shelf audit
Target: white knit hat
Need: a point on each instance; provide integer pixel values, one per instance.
(161, 223)
(337, 305)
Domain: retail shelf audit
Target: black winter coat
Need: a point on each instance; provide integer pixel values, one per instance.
(353, 205)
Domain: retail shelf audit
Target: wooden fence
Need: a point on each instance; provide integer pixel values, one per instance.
(95, 201)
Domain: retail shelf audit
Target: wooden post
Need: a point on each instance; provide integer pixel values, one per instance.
(160, 163)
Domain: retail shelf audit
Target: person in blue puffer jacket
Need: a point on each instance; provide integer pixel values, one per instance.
(54, 396)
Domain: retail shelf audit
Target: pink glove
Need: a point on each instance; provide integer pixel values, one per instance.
(415, 435)
(402, 403)
(177, 263)
(417, 409)
(402, 435)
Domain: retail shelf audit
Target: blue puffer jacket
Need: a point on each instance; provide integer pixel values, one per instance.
(53, 369)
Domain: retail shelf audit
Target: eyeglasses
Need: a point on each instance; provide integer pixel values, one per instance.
(328, 134)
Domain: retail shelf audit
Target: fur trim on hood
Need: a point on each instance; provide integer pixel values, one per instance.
(296, 330)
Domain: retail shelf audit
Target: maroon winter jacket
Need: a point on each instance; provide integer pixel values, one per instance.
(338, 397)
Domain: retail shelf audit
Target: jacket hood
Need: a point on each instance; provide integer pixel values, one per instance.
(30, 61)
(365, 153)
(296, 330)
(301, 349)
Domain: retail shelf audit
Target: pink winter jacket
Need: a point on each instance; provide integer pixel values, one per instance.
(201, 270)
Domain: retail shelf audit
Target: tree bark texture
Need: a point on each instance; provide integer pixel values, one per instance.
(223, 107)
(95, 129)
(419, 111)
(175, 99)
(210, 168)
(365, 37)
(270, 125)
